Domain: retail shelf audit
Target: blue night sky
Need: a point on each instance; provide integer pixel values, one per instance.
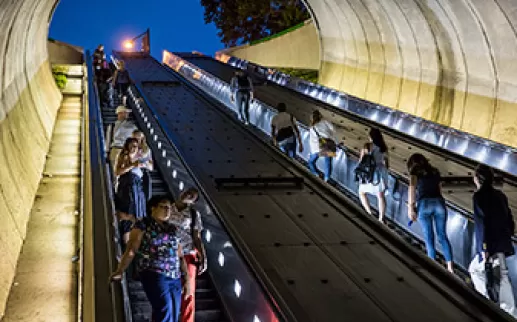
(176, 25)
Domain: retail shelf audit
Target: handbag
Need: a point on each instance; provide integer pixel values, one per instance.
(328, 147)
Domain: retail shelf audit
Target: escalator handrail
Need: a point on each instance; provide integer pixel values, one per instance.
(111, 301)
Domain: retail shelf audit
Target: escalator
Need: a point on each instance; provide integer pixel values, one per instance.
(457, 173)
(208, 305)
(311, 249)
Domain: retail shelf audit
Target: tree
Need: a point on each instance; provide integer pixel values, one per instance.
(242, 21)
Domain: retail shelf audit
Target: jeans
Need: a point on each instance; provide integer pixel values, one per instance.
(327, 169)
(479, 279)
(429, 210)
(243, 104)
(164, 293)
(288, 146)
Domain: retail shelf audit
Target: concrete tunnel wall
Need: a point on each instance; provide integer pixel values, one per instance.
(449, 61)
(29, 101)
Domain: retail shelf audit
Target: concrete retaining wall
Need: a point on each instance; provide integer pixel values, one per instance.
(29, 101)
(297, 49)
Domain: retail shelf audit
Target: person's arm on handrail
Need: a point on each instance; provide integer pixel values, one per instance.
(135, 239)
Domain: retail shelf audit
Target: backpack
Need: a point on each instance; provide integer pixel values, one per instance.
(365, 170)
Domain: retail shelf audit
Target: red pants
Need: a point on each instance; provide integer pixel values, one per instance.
(188, 308)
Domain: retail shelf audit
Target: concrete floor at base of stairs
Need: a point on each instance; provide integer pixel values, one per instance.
(45, 284)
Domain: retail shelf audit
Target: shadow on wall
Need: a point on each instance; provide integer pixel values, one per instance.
(442, 107)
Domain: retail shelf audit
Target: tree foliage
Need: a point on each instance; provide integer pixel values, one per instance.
(242, 21)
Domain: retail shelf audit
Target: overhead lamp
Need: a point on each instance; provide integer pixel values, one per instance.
(129, 44)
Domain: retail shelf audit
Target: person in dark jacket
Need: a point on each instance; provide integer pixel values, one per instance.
(494, 227)
(99, 60)
(121, 81)
(241, 87)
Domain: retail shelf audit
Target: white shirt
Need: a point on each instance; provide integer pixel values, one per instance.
(282, 120)
(325, 129)
(122, 130)
(184, 233)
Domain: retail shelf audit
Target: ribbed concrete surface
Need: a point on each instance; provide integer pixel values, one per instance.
(297, 49)
(450, 61)
(45, 283)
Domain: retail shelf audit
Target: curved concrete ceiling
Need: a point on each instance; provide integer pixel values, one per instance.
(450, 61)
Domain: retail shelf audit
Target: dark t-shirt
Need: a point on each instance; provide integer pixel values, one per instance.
(428, 184)
(122, 77)
(493, 219)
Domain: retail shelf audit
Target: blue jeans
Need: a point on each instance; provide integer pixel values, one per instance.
(327, 169)
(429, 210)
(242, 98)
(164, 293)
(288, 146)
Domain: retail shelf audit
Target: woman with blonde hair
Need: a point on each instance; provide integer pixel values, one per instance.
(146, 159)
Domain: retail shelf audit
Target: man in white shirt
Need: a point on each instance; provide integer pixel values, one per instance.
(285, 132)
(118, 133)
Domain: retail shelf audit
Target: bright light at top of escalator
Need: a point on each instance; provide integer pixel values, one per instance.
(129, 44)
(237, 288)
